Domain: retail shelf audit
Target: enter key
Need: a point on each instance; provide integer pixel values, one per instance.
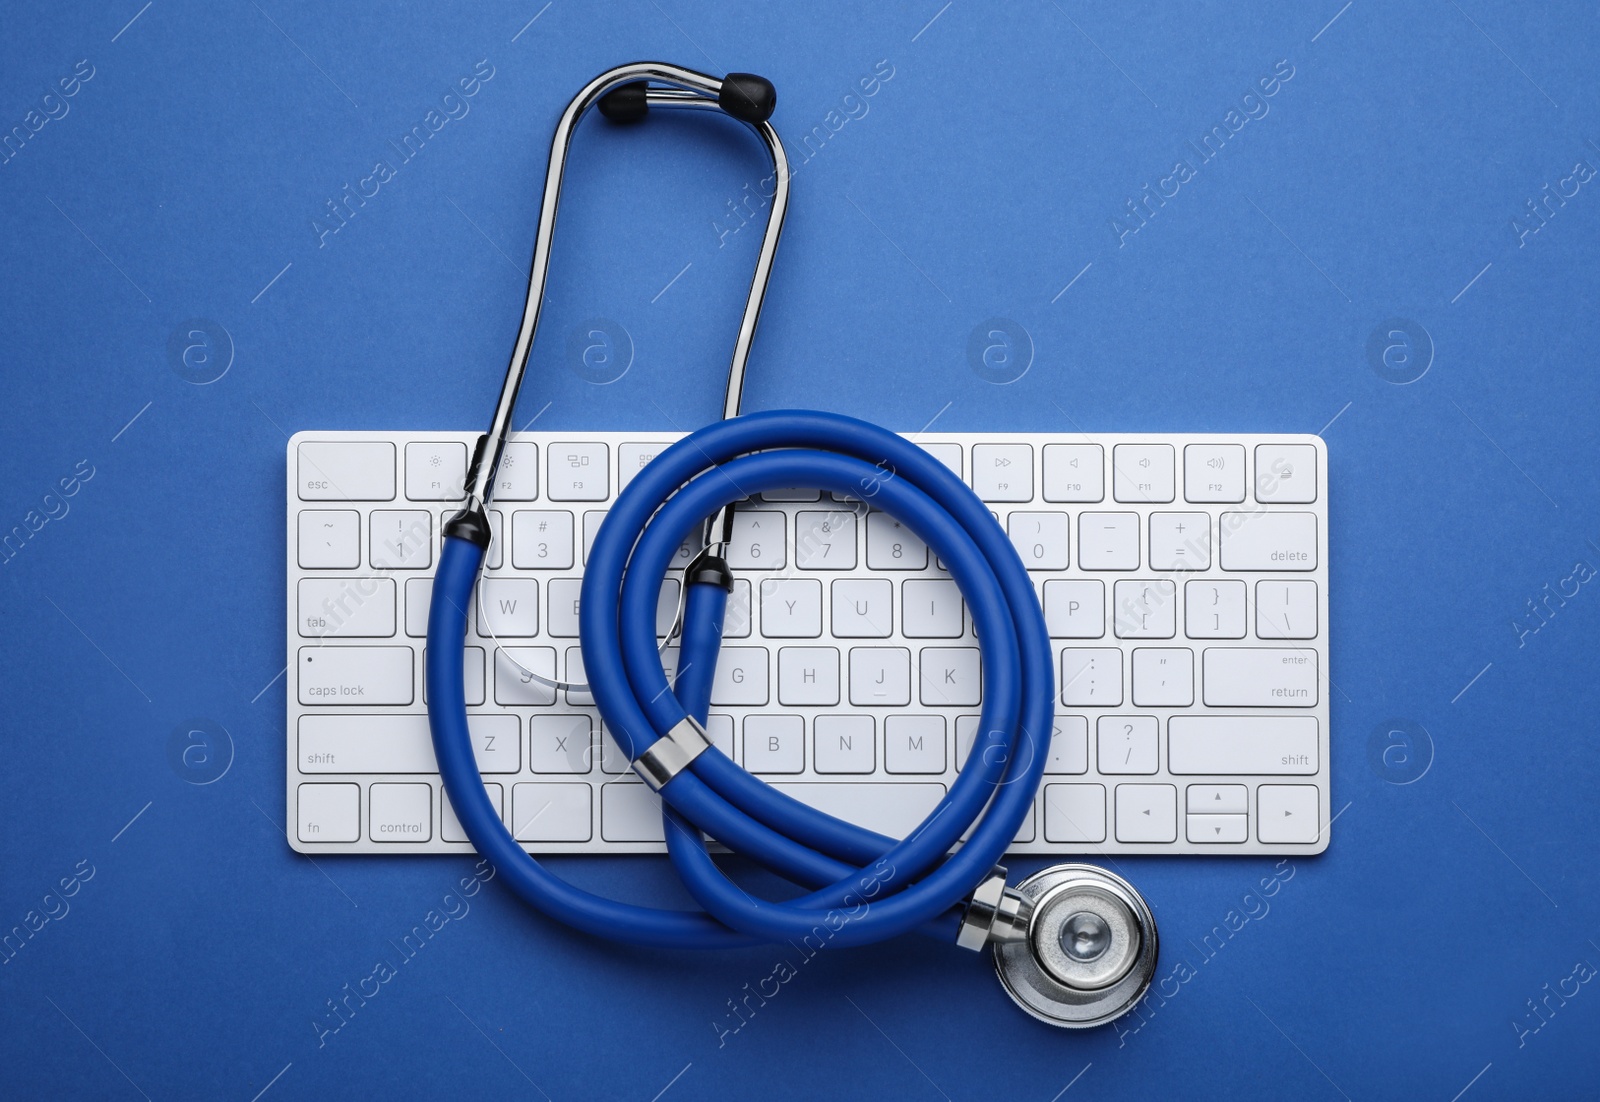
(1260, 677)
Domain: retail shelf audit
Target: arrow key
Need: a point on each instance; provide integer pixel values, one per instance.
(1147, 813)
(1287, 813)
(1218, 828)
(1218, 799)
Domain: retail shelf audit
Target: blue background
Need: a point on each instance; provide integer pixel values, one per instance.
(982, 180)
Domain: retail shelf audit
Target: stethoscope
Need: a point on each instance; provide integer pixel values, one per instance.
(1073, 945)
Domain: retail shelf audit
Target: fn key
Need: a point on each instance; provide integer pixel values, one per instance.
(329, 812)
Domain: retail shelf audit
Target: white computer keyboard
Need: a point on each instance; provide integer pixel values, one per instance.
(1184, 580)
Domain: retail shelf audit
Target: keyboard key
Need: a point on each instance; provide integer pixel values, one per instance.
(355, 675)
(1241, 745)
(419, 595)
(436, 471)
(328, 812)
(759, 540)
(1287, 813)
(1146, 610)
(1163, 677)
(471, 673)
(808, 676)
(775, 744)
(791, 608)
(948, 454)
(1286, 474)
(541, 539)
(1074, 813)
(863, 608)
(1213, 610)
(738, 620)
(1069, 746)
(843, 744)
(825, 540)
(1142, 472)
(880, 676)
(741, 676)
(1218, 799)
(400, 812)
(1091, 676)
(913, 744)
(1075, 608)
(399, 744)
(365, 744)
(508, 608)
(1286, 610)
(450, 829)
(1147, 813)
(1040, 539)
(1126, 744)
(575, 676)
(1180, 541)
(633, 458)
(1213, 472)
(1068, 751)
(795, 493)
(1217, 829)
(562, 617)
(1260, 677)
(630, 813)
(494, 558)
(1108, 541)
(951, 677)
(345, 471)
(1074, 472)
(551, 811)
(345, 607)
(517, 478)
(330, 539)
(1003, 472)
(592, 520)
(1025, 831)
(719, 729)
(578, 471)
(513, 670)
(400, 539)
(496, 739)
(893, 546)
(931, 608)
(966, 735)
(893, 809)
(612, 759)
(1269, 541)
(560, 743)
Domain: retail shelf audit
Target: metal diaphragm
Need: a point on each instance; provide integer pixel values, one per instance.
(1091, 948)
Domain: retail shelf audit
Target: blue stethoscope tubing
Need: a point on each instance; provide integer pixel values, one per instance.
(862, 886)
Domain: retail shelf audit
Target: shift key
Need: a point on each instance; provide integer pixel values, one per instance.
(1199, 745)
(355, 675)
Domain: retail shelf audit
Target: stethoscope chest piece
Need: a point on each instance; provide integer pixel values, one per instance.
(1090, 951)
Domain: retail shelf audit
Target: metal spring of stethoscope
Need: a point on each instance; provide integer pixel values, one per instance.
(1073, 945)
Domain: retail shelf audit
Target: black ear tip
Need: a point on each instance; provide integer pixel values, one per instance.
(748, 97)
(625, 104)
